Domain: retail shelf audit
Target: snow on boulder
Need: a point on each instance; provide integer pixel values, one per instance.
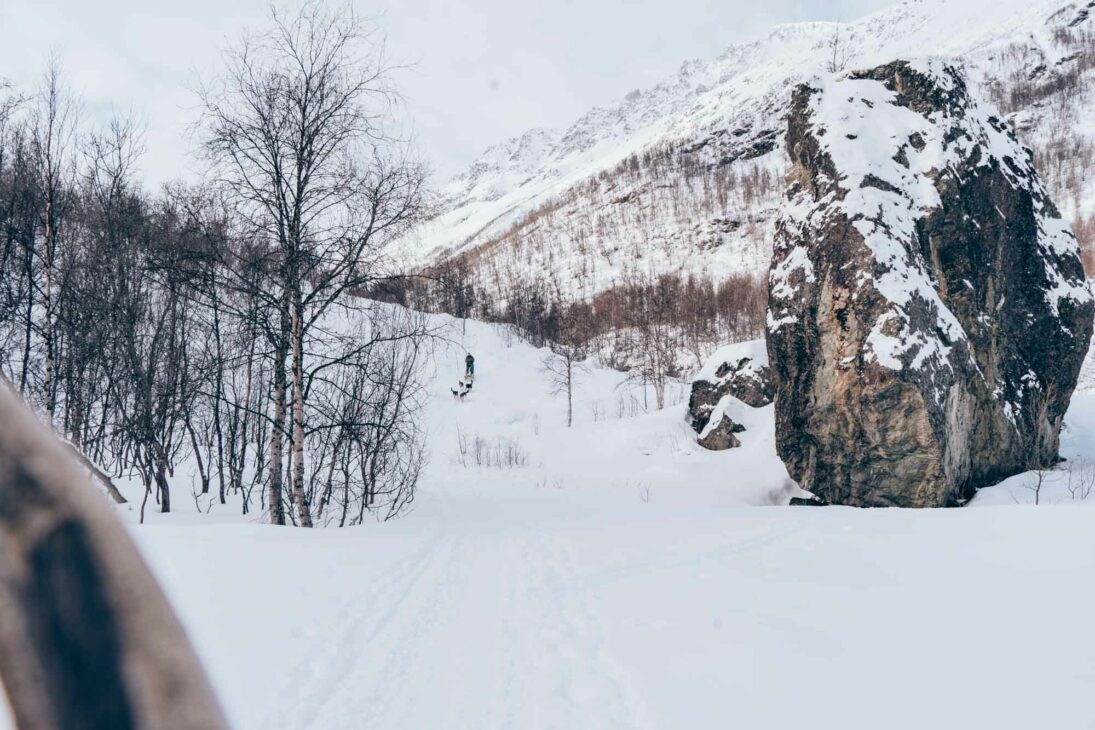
(739, 370)
(927, 313)
(721, 430)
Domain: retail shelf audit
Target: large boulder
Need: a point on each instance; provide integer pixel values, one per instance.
(928, 313)
(739, 370)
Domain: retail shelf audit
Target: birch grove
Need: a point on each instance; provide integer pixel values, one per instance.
(220, 327)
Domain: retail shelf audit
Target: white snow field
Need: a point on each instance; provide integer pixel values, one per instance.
(626, 578)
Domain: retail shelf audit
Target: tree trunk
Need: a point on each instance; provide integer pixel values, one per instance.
(218, 426)
(47, 301)
(99, 474)
(203, 473)
(244, 419)
(300, 499)
(162, 487)
(277, 511)
(570, 391)
(28, 334)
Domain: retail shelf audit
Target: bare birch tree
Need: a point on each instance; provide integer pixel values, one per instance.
(569, 345)
(53, 134)
(297, 131)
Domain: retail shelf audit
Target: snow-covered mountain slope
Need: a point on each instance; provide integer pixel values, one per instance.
(686, 176)
(616, 575)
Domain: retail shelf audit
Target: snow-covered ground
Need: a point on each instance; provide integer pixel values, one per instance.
(618, 576)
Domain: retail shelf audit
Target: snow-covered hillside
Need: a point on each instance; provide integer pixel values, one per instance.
(686, 176)
(615, 575)
(510, 431)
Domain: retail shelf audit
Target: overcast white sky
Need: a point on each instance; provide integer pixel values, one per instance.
(484, 70)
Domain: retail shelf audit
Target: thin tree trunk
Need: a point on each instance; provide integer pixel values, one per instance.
(243, 419)
(300, 499)
(162, 487)
(47, 301)
(28, 334)
(345, 491)
(277, 511)
(99, 474)
(203, 473)
(75, 406)
(330, 480)
(273, 492)
(570, 392)
(218, 427)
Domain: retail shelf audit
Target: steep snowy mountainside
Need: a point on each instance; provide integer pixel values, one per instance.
(685, 176)
(504, 166)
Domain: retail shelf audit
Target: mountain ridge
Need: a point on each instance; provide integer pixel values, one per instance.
(684, 177)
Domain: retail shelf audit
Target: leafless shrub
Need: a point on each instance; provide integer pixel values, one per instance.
(1034, 483)
(482, 453)
(839, 53)
(1080, 478)
(628, 405)
(367, 442)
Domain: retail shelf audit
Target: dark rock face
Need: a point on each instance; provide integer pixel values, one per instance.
(740, 371)
(928, 313)
(722, 436)
(705, 396)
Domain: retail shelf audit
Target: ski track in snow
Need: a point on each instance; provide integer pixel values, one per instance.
(595, 688)
(368, 669)
(368, 674)
(361, 627)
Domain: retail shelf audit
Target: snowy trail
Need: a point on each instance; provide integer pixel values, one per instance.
(543, 663)
(751, 617)
(624, 578)
(366, 624)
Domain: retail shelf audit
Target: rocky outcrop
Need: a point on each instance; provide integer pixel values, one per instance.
(720, 433)
(739, 371)
(928, 313)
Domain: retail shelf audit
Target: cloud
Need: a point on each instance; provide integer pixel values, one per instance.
(481, 70)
